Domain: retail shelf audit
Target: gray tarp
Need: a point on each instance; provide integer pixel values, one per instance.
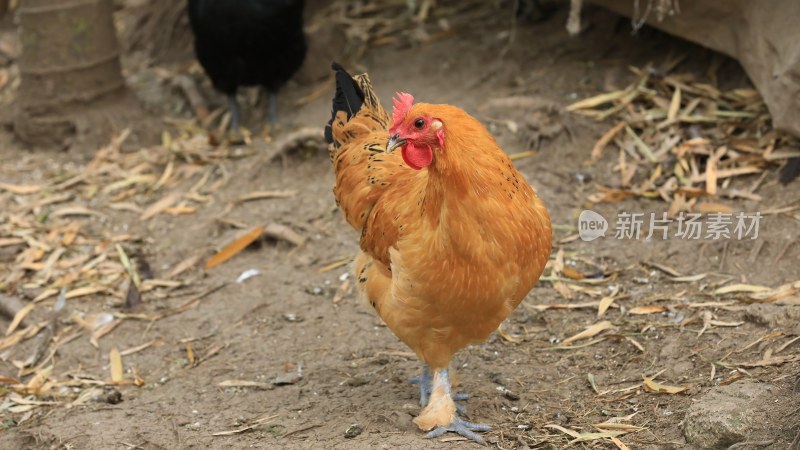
(764, 35)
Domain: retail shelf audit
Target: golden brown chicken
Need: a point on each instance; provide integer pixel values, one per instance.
(452, 236)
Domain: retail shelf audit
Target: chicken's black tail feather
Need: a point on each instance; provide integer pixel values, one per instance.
(348, 98)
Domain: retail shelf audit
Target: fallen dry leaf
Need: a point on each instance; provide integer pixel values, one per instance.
(741, 288)
(20, 189)
(653, 386)
(262, 195)
(19, 316)
(620, 445)
(593, 330)
(605, 303)
(235, 247)
(115, 361)
(649, 309)
(245, 383)
(278, 231)
(159, 206)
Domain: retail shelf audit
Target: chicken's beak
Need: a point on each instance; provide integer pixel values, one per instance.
(395, 141)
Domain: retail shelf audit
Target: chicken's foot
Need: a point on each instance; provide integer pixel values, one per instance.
(441, 414)
(425, 382)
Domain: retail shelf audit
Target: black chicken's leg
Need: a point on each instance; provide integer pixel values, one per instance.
(233, 106)
(273, 107)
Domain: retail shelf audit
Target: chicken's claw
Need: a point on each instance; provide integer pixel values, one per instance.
(462, 427)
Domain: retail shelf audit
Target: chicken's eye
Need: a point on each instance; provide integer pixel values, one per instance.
(419, 123)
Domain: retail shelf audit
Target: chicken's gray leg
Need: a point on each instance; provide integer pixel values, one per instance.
(273, 108)
(233, 106)
(425, 382)
(458, 425)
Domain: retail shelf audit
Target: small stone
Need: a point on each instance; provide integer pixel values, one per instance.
(727, 415)
(356, 381)
(353, 431)
(109, 395)
(508, 393)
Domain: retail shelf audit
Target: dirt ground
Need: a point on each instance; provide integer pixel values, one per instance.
(320, 362)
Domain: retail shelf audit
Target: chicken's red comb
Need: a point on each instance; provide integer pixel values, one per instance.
(402, 105)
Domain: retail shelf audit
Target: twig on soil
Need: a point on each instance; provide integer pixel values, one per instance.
(744, 444)
(255, 424)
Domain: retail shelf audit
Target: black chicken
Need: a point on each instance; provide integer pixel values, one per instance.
(248, 43)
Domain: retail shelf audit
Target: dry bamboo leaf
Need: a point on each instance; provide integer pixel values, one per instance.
(577, 346)
(180, 210)
(648, 309)
(674, 105)
(585, 437)
(572, 433)
(123, 206)
(344, 288)
(643, 148)
(727, 173)
(190, 354)
(19, 316)
(234, 247)
(261, 195)
(620, 445)
(159, 206)
(605, 302)
(74, 211)
(19, 335)
(127, 182)
(246, 383)
(655, 387)
(571, 273)
(211, 352)
(513, 338)
(562, 306)
(689, 278)
(102, 331)
(138, 348)
(597, 100)
(521, 155)
(36, 383)
(20, 189)
(282, 232)
(593, 330)
(790, 342)
(184, 265)
(9, 242)
(711, 207)
(617, 426)
(633, 341)
(126, 264)
(562, 289)
(664, 268)
(719, 323)
(771, 361)
(115, 361)
(741, 288)
(75, 293)
(604, 140)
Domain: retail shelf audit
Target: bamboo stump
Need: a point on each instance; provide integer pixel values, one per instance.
(70, 60)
